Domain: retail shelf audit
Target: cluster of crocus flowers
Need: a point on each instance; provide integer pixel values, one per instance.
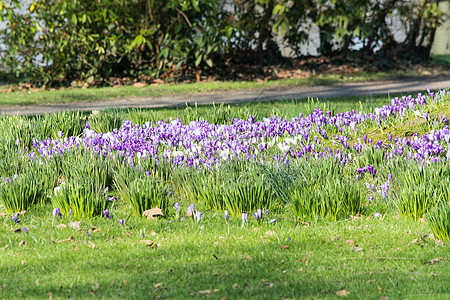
(201, 144)
(15, 218)
(107, 214)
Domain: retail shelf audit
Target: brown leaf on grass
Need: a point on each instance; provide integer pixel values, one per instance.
(350, 242)
(17, 230)
(435, 260)
(151, 213)
(94, 229)
(283, 247)
(74, 225)
(205, 292)
(3, 214)
(37, 282)
(22, 243)
(50, 296)
(157, 285)
(4, 248)
(239, 237)
(61, 226)
(91, 245)
(69, 239)
(150, 244)
(379, 288)
(342, 293)
(414, 241)
(235, 286)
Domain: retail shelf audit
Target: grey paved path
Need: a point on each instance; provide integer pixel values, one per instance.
(386, 87)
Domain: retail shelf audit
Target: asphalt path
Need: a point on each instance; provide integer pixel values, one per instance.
(349, 89)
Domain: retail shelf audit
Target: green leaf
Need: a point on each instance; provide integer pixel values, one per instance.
(198, 60)
(74, 19)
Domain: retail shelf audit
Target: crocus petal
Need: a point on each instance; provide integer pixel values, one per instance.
(25, 229)
(273, 221)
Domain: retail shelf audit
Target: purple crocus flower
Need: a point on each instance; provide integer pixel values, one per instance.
(273, 221)
(70, 212)
(177, 206)
(198, 216)
(121, 222)
(56, 211)
(377, 215)
(25, 229)
(191, 209)
(288, 239)
(87, 232)
(259, 213)
(182, 219)
(244, 218)
(226, 215)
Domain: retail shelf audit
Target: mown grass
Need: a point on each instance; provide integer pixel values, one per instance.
(222, 259)
(26, 97)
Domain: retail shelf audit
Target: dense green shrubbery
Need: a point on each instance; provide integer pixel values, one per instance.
(65, 40)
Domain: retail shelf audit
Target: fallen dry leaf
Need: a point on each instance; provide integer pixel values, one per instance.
(151, 213)
(350, 242)
(157, 285)
(94, 229)
(91, 245)
(239, 237)
(37, 282)
(379, 288)
(69, 239)
(61, 226)
(335, 238)
(357, 249)
(283, 247)
(235, 286)
(150, 243)
(414, 241)
(205, 292)
(22, 243)
(6, 246)
(3, 214)
(17, 230)
(74, 225)
(342, 293)
(435, 260)
(50, 296)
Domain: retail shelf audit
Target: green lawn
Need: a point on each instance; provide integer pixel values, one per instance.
(26, 97)
(368, 258)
